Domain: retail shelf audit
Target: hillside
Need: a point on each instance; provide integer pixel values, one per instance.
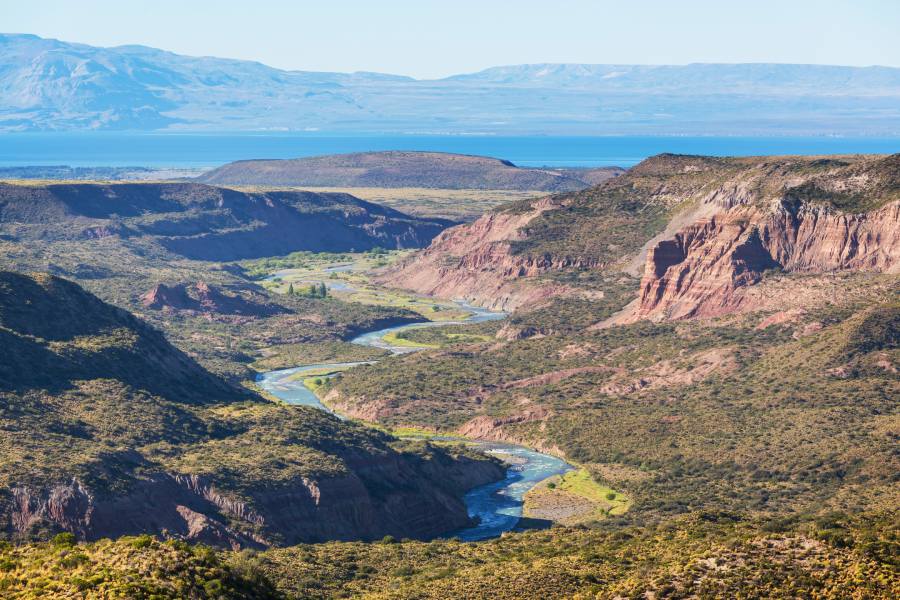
(403, 169)
(674, 213)
(749, 415)
(112, 431)
(708, 556)
(208, 223)
(134, 246)
(752, 368)
(48, 84)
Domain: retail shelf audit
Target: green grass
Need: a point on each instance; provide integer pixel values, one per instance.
(398, 339)
(767, 429)
(316, 373)
(314, 384)
(581, 484)
(285, 356)
(302, 269)
(439, 337)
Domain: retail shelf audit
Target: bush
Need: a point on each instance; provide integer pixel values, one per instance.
(64, 539)
(142, 541)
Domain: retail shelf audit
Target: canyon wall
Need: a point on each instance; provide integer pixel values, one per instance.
(475, 262)
(386, 496)
(702, 271)
(698, 231)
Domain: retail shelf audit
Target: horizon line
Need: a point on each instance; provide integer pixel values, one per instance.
(459, 74)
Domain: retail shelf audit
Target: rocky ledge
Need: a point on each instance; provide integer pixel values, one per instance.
(388, 496)
(705, 268)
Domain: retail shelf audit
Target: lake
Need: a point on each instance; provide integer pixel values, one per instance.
(197, 150)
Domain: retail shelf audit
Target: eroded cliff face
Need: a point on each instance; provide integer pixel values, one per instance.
(497, 260)
(384, 497)
(705, 268)
(699, 230)
(475, 263)
(109, 430)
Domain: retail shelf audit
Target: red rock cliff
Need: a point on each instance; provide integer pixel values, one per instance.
(701, 271)
(474, 262)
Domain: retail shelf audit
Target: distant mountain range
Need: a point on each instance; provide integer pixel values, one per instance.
(47, 84)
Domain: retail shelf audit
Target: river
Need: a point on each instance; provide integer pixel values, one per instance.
(496, 506)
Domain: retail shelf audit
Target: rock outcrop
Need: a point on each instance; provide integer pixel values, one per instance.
(312, 510)
(700, 230)
(475, 263)
(485, 427)
(703, 269)
(204, 298)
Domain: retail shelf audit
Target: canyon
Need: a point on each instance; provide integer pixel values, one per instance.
(707, 229)
(113, 431)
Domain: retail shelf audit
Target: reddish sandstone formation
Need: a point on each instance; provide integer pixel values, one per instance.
(203, 298)
(702, 270)
(484, 427)
(474, 263)
(164, 297)
(730, 221)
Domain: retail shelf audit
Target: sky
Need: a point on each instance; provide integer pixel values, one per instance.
(436, 38)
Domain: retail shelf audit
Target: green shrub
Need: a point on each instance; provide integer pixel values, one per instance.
(64, 539)
(142, 541)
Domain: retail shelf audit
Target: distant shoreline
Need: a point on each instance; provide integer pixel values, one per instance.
(179, 151)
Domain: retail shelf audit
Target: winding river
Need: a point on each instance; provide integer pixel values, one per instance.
(496, 506)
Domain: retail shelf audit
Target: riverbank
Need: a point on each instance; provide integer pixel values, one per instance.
(495, 507)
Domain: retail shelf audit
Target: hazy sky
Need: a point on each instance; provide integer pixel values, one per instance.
(431, 38)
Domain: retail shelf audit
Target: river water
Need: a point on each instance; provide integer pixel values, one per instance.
(496, 506)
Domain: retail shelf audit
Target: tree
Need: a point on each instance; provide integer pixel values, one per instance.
(323, 291)
(312, 290)
(291, 289)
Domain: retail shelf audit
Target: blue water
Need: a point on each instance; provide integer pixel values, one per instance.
(291, 390)
(195, 150)
(497, 507)
(376, 338)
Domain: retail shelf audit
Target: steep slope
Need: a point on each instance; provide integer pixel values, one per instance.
(502, 259)
(108, 430)
(209, 223)
(475, 262)
(812, 226)
(48, 84)
(700, 228)
(402, 169)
